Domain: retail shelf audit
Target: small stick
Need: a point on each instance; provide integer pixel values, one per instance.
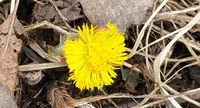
(48, 24)
(63, 17)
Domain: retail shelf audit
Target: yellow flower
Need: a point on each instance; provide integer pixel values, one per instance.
(93, 56)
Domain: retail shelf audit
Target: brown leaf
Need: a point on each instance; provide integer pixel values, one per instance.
(123, 13)
(9, 61)
(47, 12)
(32, 77)
(59, 98)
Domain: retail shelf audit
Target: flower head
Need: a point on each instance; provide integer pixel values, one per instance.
(93, 56)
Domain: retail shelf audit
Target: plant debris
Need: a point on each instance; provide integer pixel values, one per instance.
(69, 8)
(9, 61)
(162, 40)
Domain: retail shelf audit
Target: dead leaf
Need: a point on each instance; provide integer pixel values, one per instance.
(131, 78)
(59, 98)
(32, 77)
(47, 12)
(19, 29)
(9, 62)
(123, 13)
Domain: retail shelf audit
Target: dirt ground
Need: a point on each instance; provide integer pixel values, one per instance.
(37, 76)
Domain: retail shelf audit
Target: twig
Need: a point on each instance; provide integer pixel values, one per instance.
(110, 100)
(63, 17)
(39, 2)
(45, 23)
(167, 15)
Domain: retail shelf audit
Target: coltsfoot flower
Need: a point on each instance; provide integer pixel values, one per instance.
(93, 56)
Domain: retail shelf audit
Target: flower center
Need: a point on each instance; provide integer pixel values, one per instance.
(97, 56)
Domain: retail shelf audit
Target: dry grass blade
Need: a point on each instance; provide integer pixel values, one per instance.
(175, 73)
(191, 43)
(41, 66)
(172, 100)
(173, 14)
(183, 97)
(141, 35)
(146, 98)
(161, 57)
(49, 25)
(158, 61)
(12, 6)
(190, 93)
